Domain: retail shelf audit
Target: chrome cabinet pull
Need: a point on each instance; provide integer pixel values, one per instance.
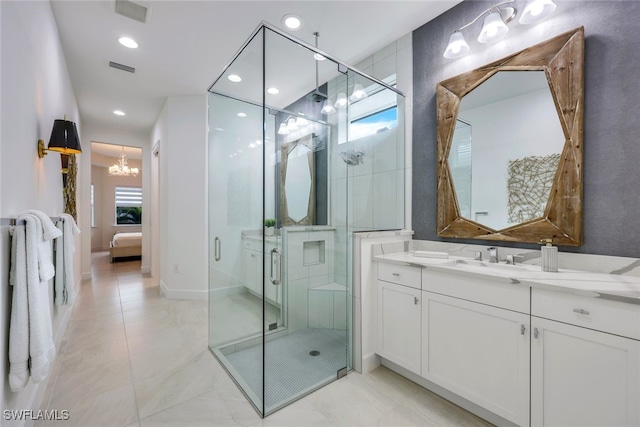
(522, 329)
(581, 311)
(217, 252)
(535, 333)
(274, 280)
(396, 274)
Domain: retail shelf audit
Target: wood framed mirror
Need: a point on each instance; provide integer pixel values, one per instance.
(540, 187)
(298, 182)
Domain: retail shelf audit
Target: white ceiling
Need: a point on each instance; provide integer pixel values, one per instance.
(114, 151)
(185, 45)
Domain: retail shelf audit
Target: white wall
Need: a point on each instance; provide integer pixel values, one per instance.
(36, 89)
(181, 128)
(93, 133)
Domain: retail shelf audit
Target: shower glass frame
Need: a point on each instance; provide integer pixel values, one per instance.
(272, 313)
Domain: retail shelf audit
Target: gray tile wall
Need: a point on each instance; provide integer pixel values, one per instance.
(611, 123)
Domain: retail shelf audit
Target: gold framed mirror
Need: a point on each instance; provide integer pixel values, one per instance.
(555, 178)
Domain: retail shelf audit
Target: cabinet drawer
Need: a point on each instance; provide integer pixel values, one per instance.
(400, 274)
(594, 313)
(484, 291)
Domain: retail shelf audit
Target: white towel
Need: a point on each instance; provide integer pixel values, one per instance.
(65, 248)
(48, 231)
(19, 323)
(42, 350)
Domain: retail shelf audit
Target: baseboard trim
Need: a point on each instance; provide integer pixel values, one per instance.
(185, 294)
(370, 362)
(449, 395)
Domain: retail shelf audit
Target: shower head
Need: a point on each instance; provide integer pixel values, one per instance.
(352, 157)
(318, 96)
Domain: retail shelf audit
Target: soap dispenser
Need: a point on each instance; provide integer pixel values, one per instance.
(549, 254)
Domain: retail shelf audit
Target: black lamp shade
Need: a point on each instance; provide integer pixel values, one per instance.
(64, 138)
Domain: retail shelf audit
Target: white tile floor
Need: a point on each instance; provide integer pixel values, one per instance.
(133, 358)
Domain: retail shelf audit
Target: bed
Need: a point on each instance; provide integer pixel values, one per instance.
(125, 245)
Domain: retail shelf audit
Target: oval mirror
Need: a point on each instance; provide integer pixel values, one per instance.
(510, 146)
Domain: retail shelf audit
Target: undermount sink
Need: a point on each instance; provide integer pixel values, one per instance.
(470, 263)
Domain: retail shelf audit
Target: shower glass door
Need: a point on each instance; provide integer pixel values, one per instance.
(303, 142)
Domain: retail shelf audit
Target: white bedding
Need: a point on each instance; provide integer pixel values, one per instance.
(122, 240)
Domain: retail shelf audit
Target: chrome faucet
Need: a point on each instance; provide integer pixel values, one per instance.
(493, 254)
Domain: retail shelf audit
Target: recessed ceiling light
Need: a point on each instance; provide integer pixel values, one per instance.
(273, 90)
(128, 42)
(118, 112)
(292, 21)
(241, 114)
(235, 78)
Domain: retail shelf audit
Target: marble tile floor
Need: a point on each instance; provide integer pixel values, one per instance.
(133, 358)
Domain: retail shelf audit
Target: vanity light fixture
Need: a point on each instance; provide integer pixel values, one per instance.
(64, 139)
(341, 100)
(128, 42)
(358, 93)
(536, 10)
(282, 130)
(327, 108)
(495, 23)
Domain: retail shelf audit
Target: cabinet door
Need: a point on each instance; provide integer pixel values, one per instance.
(478, 352)
(251, 270)
(582, 377)
(399, 325)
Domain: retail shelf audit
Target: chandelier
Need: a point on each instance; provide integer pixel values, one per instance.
(121, 168)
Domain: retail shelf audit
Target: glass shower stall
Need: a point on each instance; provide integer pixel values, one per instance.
(292, 137)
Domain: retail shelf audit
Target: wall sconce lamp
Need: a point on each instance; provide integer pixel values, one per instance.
(64, 139)
(495, 23)
(291, 124)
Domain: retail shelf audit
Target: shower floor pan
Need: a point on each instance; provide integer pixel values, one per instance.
(296, 364)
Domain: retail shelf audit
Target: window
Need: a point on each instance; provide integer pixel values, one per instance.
(376, 113)
(128, 205)
(93, 210)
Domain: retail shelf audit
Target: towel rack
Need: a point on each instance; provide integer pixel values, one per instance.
(14, 221)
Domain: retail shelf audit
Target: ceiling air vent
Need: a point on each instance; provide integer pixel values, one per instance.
(122, 67)
(132, 10)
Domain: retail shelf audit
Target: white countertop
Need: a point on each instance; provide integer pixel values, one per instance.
(583, 283)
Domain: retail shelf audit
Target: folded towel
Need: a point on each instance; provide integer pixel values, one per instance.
(42, 350)
(19, 322)
(49, 229)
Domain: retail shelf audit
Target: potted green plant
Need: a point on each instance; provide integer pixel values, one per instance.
(269, 226)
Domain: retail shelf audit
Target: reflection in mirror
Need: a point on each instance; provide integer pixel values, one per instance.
(297, 184)
(297, 180)
(510, 146)
(506, 148)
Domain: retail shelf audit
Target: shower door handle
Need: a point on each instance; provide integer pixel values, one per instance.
(217, 252)
(277, 279)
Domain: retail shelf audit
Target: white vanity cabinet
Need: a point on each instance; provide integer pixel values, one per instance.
(476, 350)
(582, 376)
(399, 312)
(252, 273)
